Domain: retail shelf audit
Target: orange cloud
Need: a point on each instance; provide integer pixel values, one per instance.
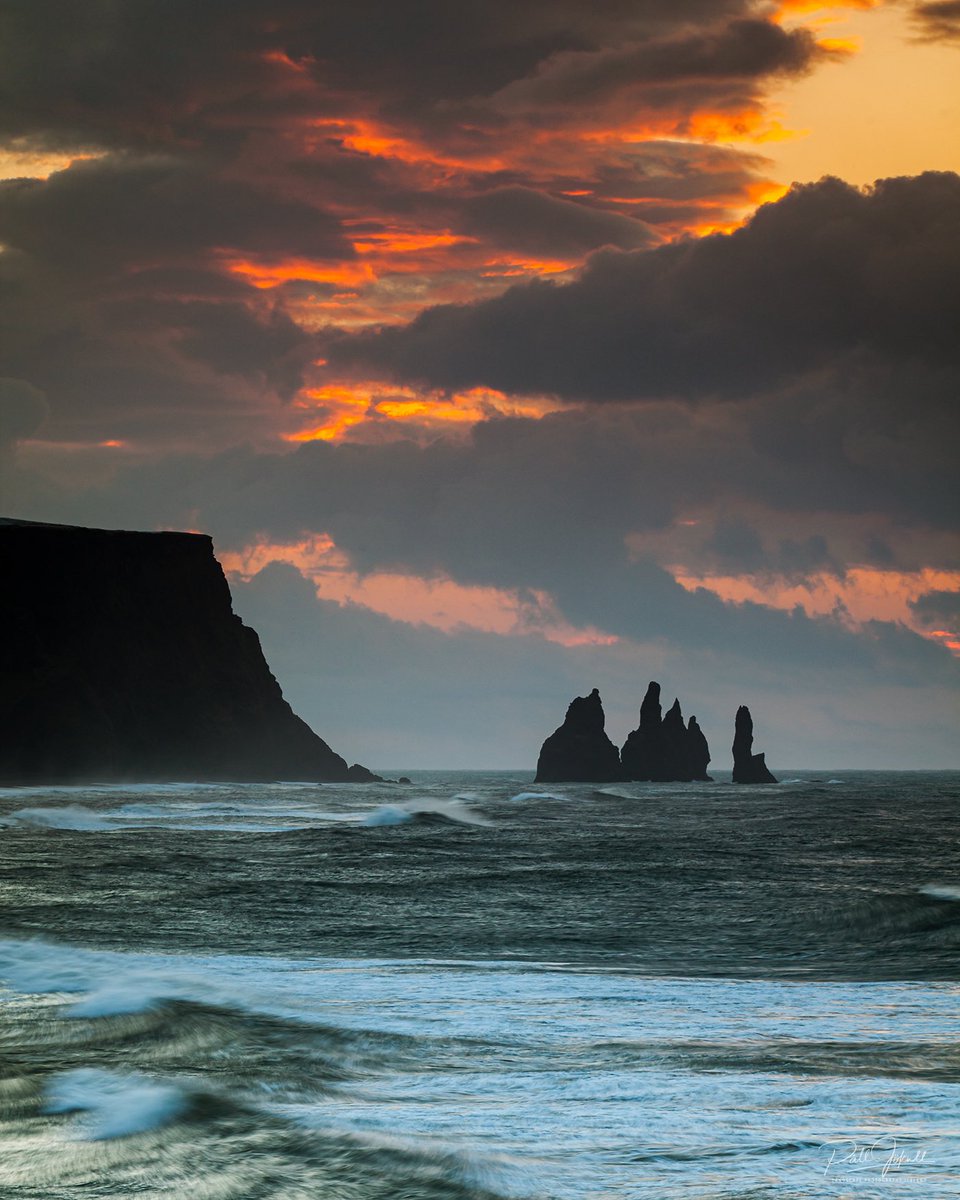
(20, 163)
(379, 140)
(861, 595)
(346, 405)
(408, 257)
(438, 602)
(790, 8)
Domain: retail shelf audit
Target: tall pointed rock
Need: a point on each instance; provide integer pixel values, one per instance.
(664, 750)
(642, 754)
(580, 751)
(676, 766)
(698, 752)
(747, 766)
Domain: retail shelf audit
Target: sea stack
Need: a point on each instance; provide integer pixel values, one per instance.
(747, 766)
(122, 660)
(642, 753)
(580, 751)
(663, 749)
(698, 752)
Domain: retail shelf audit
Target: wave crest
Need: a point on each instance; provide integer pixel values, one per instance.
(117, 1105)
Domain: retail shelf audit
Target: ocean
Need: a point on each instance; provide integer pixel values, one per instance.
(474, 986)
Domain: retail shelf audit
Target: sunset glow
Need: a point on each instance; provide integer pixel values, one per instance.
(373, 402)
(859, 596)
(438, 602)
(395, 268)
(613, 325)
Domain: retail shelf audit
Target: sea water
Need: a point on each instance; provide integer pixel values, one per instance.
(473, 986)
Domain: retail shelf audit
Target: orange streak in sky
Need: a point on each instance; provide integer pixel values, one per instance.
(840, 45)
(439, 602)
(751, 125)
(365, 136)
(345, 405)
(863, 594)
(512, 265)
(794, 7)
(404, 242)
(265, 274)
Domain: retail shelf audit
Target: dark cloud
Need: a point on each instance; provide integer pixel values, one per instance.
(827, 274)
(740, 50)
(737, 546)
(233, 131)
(129, 211)
(938, 20)
(938, 608)
(279, 131)
(555, 505)
(129, 359)
(23, 409)
(165, 70)
(228, 337)
(522, 218)
(114, 300)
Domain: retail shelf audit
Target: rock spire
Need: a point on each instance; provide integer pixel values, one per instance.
(580, 751)
(747, 766)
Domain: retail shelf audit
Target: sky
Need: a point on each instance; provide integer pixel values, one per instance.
(510, 349)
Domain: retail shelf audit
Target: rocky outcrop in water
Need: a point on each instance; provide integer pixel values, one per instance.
(642, 753)
(698, 752)
(580, 751)
(747, 766)
(122, 659)
(663, 749)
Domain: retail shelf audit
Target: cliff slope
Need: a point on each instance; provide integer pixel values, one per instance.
(122, 659)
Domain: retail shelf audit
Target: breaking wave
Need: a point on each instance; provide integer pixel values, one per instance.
(68, 816)
(117, 1105)
(428, 812)
(940, 891)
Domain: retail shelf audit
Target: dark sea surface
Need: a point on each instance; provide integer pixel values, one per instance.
(474, 986)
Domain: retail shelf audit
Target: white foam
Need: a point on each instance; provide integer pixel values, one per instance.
(114, 983)
(399, 814)
(389, 814)
(940, 891)
(180, 813)
(118, 1105)
(67, 816)
(537, 796)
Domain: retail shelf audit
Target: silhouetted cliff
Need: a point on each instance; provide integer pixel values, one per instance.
(698, 752)
(747, 766)
(580, 751)
(663, 749)
(642, 754)
(122, 659)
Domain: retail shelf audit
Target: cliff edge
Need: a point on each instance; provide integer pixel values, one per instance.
(122, 659)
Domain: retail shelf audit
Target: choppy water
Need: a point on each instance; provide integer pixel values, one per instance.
(476, 987)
